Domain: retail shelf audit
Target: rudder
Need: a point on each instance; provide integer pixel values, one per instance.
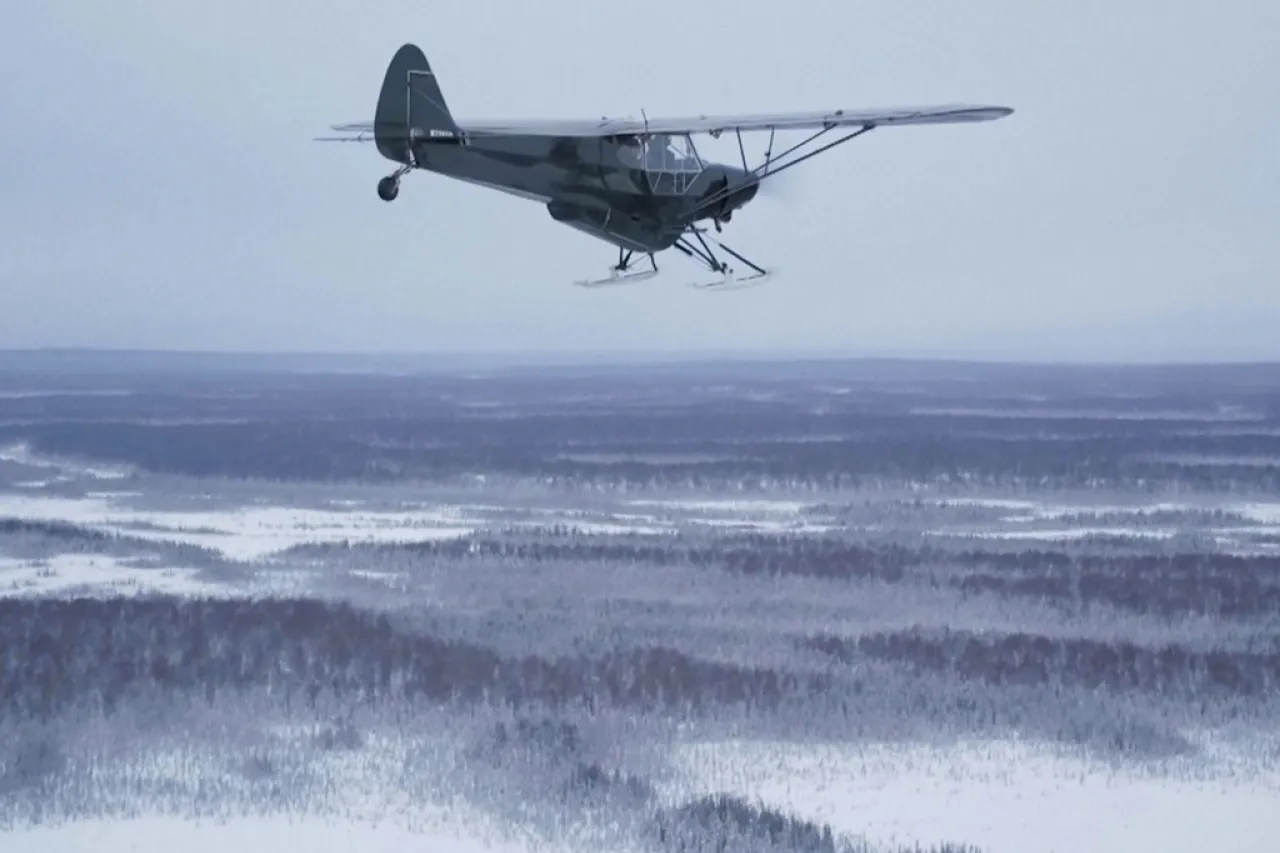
(410, 105)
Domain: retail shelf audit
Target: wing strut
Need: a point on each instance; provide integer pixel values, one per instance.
(704, 254)
(768, 170)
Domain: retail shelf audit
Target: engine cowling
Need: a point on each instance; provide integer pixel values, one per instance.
(730, 193)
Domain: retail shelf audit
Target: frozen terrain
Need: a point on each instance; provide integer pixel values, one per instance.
(862, 606)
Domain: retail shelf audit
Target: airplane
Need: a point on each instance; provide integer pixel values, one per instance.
(638, 185)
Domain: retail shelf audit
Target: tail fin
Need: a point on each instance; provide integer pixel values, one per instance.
(410, 106)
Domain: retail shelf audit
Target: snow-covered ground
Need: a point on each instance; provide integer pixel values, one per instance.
(1004, 797)
(254, 532)
(454, 831)
(80, 573)
(59, 470)
(1224, 414)
(242, 533)
(1242, 524)
(1023, 511)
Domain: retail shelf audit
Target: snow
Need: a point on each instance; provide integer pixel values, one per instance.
(250, 533)
(1262, 513)
(599, 528)
(746, 515)
(987, 503)
(454, 831)
(1222, 415)
(1062, 522)
(374, 576)
(81, 573)
(1095, 510)
(1005, 797)
(738, 507)
(244, 533)
(1066, 534)
(22, 454)
(779, 526)
(42, 393)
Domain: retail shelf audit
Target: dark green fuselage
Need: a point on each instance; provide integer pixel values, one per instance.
(593, 185)
(638, 194)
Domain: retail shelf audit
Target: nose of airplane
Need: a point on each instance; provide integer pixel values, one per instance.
(728, 190)
(740, 187)
(744, 187)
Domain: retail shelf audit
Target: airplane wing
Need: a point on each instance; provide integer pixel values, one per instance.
(945, 114)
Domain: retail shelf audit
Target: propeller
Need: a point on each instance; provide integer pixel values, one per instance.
(781, 187)
(777, 187)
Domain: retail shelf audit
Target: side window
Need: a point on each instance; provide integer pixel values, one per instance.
(632, 153)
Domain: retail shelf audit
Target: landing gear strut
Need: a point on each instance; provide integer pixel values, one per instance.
(729, 279)
(389, 187)
(622, 273)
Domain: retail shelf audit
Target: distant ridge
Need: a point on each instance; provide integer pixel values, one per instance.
(96, 361)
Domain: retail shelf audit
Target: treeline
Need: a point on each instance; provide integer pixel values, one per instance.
(59, 653)
(547, 759)
(555, 781)
(1204, 583)
(47, 538)
(60, 531)
(721, 447)
(719, 823)
(762, 554)
(1033, 660)
(1208, 584)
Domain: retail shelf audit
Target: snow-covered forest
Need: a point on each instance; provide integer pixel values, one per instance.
(789, 607)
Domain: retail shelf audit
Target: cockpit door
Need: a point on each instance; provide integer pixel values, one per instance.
(671, 163)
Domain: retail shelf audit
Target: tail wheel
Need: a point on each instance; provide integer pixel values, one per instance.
(389, 188)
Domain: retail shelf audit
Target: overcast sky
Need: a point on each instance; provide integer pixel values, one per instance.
(159, 189)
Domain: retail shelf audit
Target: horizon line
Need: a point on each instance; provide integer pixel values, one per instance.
(569, 357)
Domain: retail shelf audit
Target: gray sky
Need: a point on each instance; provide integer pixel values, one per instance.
(158, 188)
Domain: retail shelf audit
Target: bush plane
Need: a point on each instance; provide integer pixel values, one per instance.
(638, 185)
